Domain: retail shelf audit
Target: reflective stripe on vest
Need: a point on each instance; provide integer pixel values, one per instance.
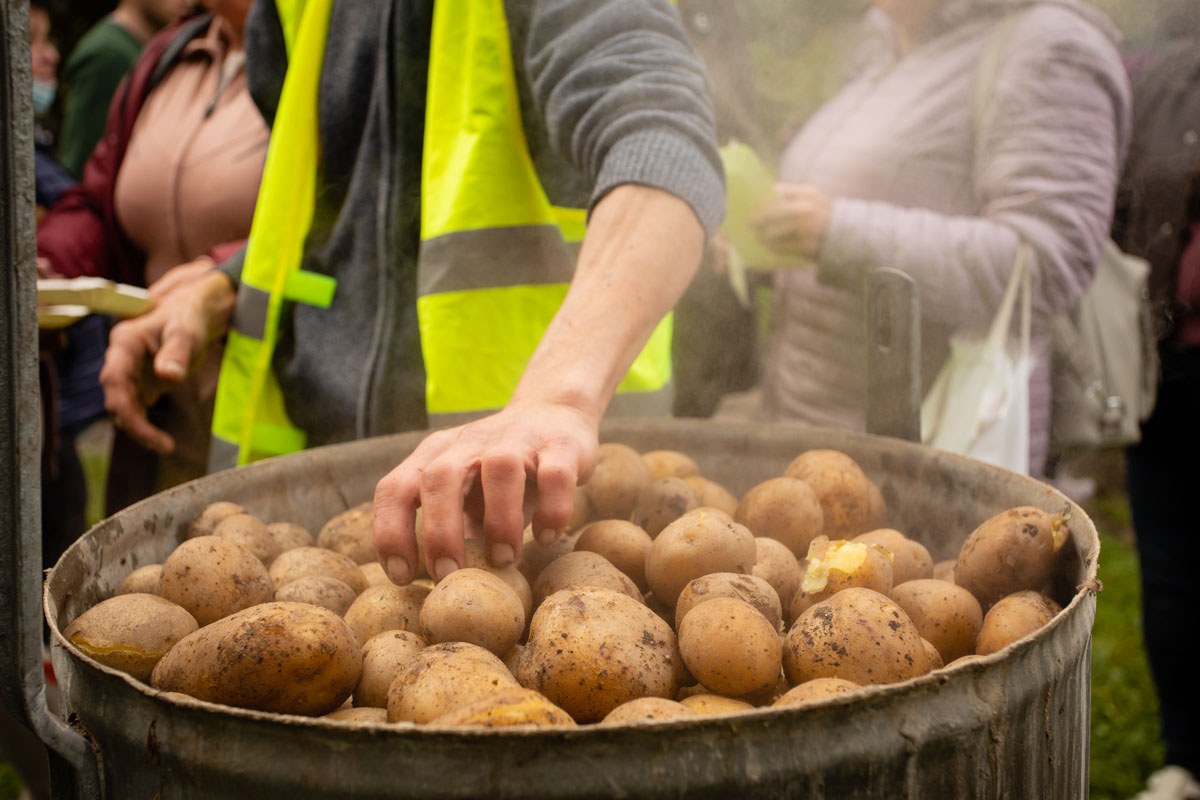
(249, 418)
(496, 256)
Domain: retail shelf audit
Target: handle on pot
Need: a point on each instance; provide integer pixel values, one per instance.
(74, 767)
(893, 355)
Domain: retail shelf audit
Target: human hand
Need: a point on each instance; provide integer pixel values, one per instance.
(44, 270)
(148, 354)
(492, 476)
(181, 275)
(794, 220)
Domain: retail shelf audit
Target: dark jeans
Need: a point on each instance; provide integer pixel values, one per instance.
(1163, 473)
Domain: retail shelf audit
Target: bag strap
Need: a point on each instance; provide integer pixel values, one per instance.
(1019, 281)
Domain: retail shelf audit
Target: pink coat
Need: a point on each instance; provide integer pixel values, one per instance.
(914, 190)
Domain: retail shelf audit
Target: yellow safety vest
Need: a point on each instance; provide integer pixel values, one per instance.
(483, 302)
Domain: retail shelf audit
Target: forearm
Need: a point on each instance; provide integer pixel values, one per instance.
(642, 248)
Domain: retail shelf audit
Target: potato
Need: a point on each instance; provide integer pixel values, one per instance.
(783, 509)
(206, 521)
(251, 533)
(1009, 552)
(647, 709)
(289, 535)
(714, 705)
(359, 716)
(505, 709)
(590, 650)
(910, 559)
(319, 590)
(699, 543)
(622, 543)
(374, 574)
(143, 580)
(384, 655)
(443, 677)
(944, 570)
(669, 464)
(351, 533)
(535, 556)
(814, 690)
(730, 647)
(711, 494)
(581, 510)
(747, 588)
(662, 502)
(1013, 618)
(213, 577)
(386, 608)
(775, 563)
(931, 653)
(616, 482)
(948, 616)
(582, 569)
(130, 632)
(834, 566)
(473, 605)
(476, 558)
(848, 503)
(300, 562)
(857, 634)
(287, 658)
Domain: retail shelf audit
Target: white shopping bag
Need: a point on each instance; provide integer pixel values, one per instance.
(978, 404)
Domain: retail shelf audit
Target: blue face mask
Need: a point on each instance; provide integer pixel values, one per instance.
(43, 96)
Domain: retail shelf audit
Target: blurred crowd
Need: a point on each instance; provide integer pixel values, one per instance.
(964, 133)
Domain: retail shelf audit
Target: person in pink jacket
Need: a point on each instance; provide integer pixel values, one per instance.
(892, 172)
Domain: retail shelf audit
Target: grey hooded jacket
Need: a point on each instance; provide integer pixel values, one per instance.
(611, 93)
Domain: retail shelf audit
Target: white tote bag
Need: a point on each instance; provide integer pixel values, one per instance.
(978, 404)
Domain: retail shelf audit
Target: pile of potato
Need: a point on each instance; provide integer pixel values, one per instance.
(668, 598)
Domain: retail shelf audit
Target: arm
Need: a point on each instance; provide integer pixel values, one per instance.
(1050, 150)
(622, 97)
(642, 248)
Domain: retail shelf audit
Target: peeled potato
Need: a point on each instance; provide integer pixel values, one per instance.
(834, 566)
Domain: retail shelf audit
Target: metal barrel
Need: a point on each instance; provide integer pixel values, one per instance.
(1013, 725)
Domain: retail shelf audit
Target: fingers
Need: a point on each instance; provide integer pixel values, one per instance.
(181, 344)
(504, 479)
(124, 363)
(396, 499)
(557, 477)
(444, 484)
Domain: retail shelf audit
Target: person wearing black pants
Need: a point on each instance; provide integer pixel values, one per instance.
(1158, 218)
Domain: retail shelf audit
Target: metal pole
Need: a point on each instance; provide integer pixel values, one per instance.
(74, 769)
(893, 355)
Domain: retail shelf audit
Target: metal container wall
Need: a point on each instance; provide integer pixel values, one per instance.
(1014, 725)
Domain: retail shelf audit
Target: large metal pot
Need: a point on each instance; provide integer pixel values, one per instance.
(1013, 725)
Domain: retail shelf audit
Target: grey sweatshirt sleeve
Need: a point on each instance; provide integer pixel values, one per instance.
(1050, 148)
(624, 98)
